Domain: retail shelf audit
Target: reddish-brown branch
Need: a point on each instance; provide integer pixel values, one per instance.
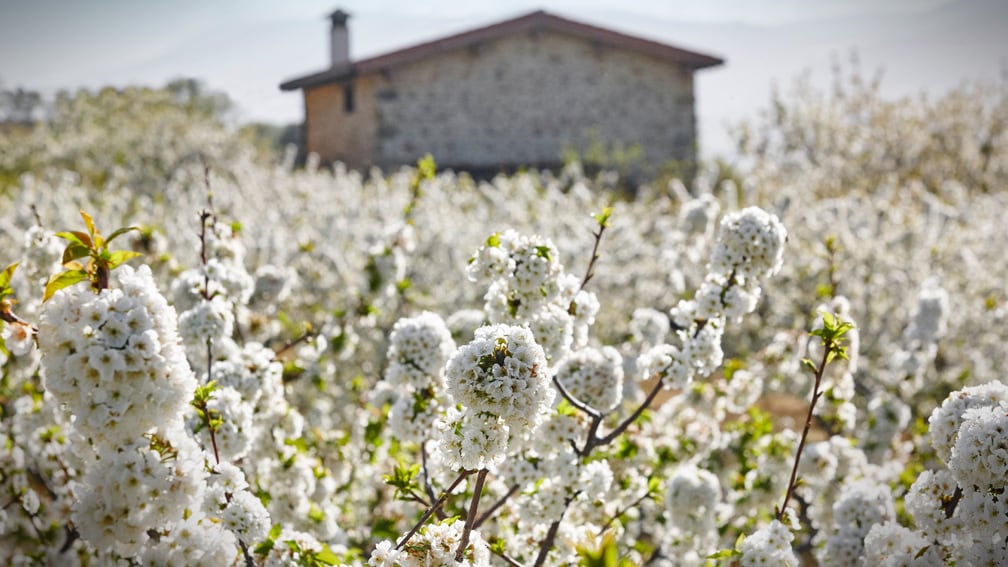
(496, 506)
(471, 516)
(430, 511)
(633, 417)
(590, 272)
(827, 348)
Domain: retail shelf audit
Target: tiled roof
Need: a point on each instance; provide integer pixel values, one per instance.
(538, 20)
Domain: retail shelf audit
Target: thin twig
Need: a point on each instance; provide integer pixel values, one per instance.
(206, 181)
(38, 532)
(626, 509)
(803, 518)
(949, 506)
(414, 496)
(507, 558)
(591, 440)
(590, 272)
(245, 553)
(71, 537)
(547, 542)
(206, 215)
(206, 408)
(37, 477)
(471, 516)
(35, 213)
(633, 417)
(574, 401)
(307, 335)
(437, 504)
(827, 348)
(496, 505)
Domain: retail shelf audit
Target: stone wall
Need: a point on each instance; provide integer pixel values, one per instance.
(517, 100)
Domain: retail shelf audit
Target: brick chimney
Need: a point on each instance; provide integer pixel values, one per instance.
(340, 38)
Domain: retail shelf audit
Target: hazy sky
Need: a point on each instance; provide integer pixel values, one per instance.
(247, 47)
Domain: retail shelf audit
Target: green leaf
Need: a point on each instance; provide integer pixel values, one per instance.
(402, 477)
(120, 232)
(603, 217)
(265, 497)
(725, 554)
(426, 167)
(117, 257)
(89, 223)
(326, 556)
(264, 548)
(7, 274)
(605, 555)
(829, 320)
(644, 547)
(654, 485)
(77, 236)
(493, 241)
(60, 281)
(202, 394)
(299, 443)
(316, 514)
(809, 365)
(824, 290)
(564, 408)
(73, 251)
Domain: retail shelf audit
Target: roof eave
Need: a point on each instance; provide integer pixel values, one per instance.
(705, 62)
(331, 75)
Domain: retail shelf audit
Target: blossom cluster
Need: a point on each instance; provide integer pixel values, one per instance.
(593, 376)
(749, 247)
(769, 545)
(436, 544)
(502, 380)
(112, 359)
(418, 349)
(527, 283)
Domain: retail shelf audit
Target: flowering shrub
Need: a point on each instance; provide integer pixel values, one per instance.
(410, 368)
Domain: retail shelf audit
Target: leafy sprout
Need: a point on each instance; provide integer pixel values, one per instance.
(87, 257)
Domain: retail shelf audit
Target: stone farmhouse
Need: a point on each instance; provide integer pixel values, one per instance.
(512, 94)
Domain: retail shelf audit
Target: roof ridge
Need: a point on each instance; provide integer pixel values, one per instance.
(529, 20)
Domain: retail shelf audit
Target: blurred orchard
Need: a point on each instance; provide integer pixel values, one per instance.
(215, 357)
